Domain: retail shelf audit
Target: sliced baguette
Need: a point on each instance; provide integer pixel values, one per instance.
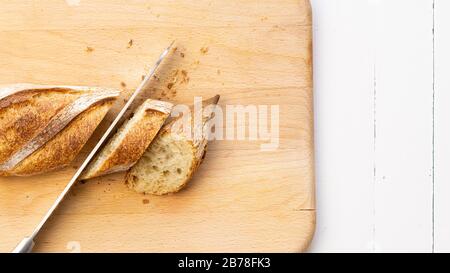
(25, 110)
(125, 148)
(43, 128)
(171, 159)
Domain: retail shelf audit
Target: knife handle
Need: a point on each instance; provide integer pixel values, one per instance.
(25, 246)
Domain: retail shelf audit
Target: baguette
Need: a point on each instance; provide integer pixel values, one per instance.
(43, 128)
(129, 143)
(171, 159)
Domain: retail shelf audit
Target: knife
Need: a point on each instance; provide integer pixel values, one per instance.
(27, 243)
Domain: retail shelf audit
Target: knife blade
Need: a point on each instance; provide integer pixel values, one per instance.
(27, 243)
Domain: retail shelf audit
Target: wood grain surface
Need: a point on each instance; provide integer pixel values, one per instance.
(242, 199)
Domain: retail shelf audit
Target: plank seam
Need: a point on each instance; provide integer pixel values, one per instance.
(433, 136)
(374, 151)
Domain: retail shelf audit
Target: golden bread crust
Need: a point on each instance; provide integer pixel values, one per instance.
(135, 141)
(62, 149)
(44, 127)
(25, 115)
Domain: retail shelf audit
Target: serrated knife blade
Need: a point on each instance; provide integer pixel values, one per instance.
(27, 243)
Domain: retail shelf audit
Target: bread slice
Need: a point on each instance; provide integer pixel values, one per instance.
(170, 161)
(125, 148)
(43, 128)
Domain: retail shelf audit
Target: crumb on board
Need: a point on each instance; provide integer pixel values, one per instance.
(143, 77)
(204, 50)
(171, 81)
(182, 54)
(145, 201)
(178, 76)
(174, 49)
(89, 49)
(174, 73)
(130, 43)
(123, 84)
(185, 78)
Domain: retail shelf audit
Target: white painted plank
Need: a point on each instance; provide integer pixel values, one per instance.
(403, 143)
(442, 127)
(400, 216)
(343, 73)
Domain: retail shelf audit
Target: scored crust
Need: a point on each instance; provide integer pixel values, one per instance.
(56, 139)
(125, 148)
(24, 114)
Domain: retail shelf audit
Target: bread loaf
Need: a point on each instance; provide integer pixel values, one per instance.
(43, 128)
(171, 159)
(129, 143)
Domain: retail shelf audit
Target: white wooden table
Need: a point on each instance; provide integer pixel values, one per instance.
(382, 109)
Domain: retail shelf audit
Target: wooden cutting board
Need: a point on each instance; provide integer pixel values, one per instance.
(242, 199)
